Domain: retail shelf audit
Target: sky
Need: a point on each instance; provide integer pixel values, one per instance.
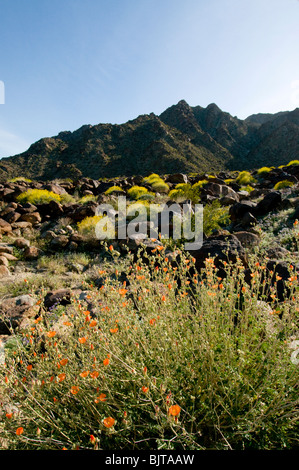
(66, 63)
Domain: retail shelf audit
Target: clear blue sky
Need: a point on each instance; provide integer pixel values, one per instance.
(65, 63)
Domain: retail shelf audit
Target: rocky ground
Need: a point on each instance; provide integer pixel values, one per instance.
(42, 250)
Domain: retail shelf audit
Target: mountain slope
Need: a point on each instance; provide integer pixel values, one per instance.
(181, 139)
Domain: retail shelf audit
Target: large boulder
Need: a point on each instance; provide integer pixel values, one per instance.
(223, 249)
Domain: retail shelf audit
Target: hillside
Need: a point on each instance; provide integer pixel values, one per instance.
(182, 139)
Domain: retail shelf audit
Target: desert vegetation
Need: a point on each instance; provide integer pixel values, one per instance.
(140, 344)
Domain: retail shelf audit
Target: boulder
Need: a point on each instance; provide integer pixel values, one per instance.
(269, 203)
(57, 297)
(223, 248)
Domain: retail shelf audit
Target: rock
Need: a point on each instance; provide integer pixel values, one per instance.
(4, 271)
(31, 252)
(5, 248)
(5, 227)
(223, 248)
(4, 261)
(248, 239)
(269, 203)
(10, 257)
(238, 210)
(58, 297)
(59, 242)
(177, 178)
(21, 243)
(15, 312)
(276, 252)
(32, 217)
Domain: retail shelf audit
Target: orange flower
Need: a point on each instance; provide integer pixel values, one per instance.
(19, 431)
(111, 248)
(61, 377)
(108, 422)
(29, 367)
(163, 298)
(101, 397)
(92, 439)
(123, 291)
(92, 323)
(145, 389)
(94, 374)
(51, 334)
(9, 415)
(152, 321)
(63, 362)
(113, 330)
(106, 361)
(174, 410)
(82, 340)
(84, 374)
(74, 389)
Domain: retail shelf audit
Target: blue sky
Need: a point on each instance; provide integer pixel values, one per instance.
(72, 62)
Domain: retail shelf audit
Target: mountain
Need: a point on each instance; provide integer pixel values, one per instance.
(182, 139)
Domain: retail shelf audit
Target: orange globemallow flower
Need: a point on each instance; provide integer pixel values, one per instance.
(113, 330)
(63, 362)
(61, 377)
(84, 373)
(123, 291)
(145, 389)
(29, 367)
(101, 397)
(94, 374)
(106, 361)
(109, 422)
(174, 410)
(74, 389)
(19, 431)
(82, 340)
(51, 334)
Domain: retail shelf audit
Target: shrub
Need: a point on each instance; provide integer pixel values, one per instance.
(160, 187)
(88, 226)
(113, 189)
(19, 178)
(136, 191)
(245, 178)
(156, 367)
(38, 196)
(87, 198)
(283, 184)
(215, 216)
(157, 183)
(264, 171)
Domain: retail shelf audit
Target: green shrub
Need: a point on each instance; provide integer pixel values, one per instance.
(19, 178)
(215, 216)
(264, 170)
(245, 178)
(38, 196)
(136, 191)
(113, 189)
(88, 227)
(283, 184)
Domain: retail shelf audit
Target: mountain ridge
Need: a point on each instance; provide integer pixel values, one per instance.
(181, 139)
